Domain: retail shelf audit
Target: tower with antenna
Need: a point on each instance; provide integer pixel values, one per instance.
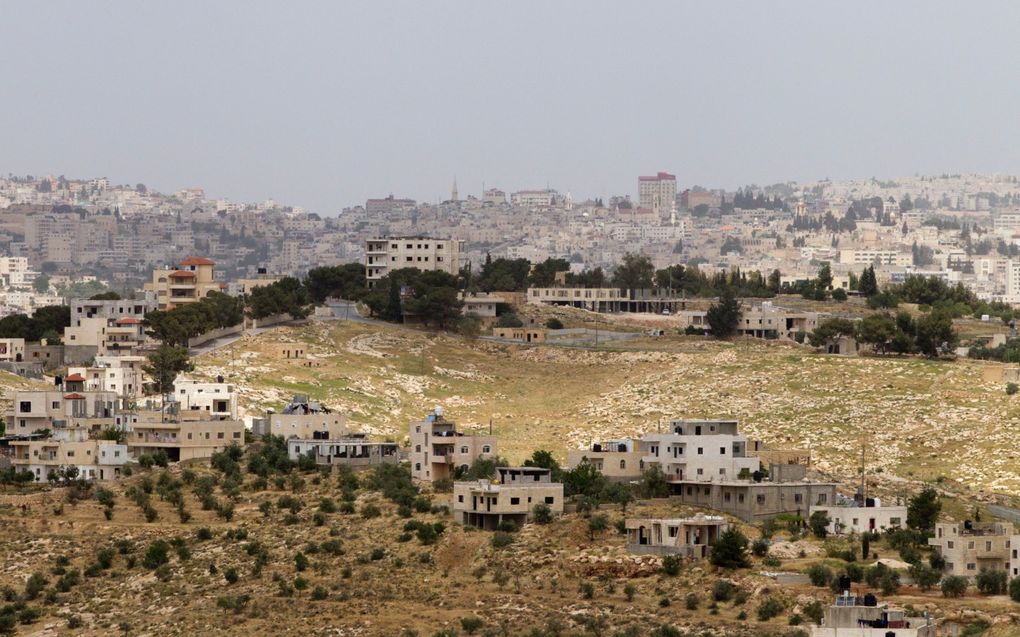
(454, 195)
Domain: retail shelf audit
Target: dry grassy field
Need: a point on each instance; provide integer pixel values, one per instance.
(921, 420)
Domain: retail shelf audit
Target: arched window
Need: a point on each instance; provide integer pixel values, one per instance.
(486, 449)
(623, 464)
(417, 466)
(463, 449)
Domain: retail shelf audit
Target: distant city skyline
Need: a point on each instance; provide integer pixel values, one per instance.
(337, 103)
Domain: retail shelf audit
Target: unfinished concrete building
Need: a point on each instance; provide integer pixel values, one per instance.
(512, 498)
(688, 537)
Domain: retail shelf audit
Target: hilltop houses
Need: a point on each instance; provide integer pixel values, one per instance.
(438, 449)
(511, 498)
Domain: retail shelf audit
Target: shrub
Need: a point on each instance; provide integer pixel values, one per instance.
(1014, 589)
(1012, 388)
(203, 534)
(819, 574)
(554, 324)
(671, 565)
(587, 590)
(730, 550)
(35, 585)
(471, 624)
(422, 504)
(629, 590)
(691, 601)
(954, 586)
(814, 610)
(156, 555)
(370, 511)
(924, 576)
(501, 539)
(104, 558)
(347, 507)
(377, 554)
(991, 582)
(300, 583)
(230, 575)
(542, 514)
(319, 593)
(722, 590)
(770, 607)
(300, 561)
(760, 547)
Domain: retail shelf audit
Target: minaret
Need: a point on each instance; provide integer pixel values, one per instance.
(453, 193)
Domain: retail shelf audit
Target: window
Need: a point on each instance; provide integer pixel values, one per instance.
(726, 497)
(417, 448)
(988, 546)
(760, 498)
(701, 451)
(25, 406)
(219, 435)
(894, 521)
(55, 404)
(486, 449)
(623, 464)
(515, 500)
(460, 498)
(798, 498)
(722, 471)
(740, 498)
(417, 467)
(722, 451)
(70, 453)
(971, 566)
(189, 435)
(970, 545)
(237, 434)
(464, 449)
(701, 471)
(549, 499)
(949, 544)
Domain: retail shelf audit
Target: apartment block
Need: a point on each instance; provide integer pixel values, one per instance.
(109, 335)
(618, 460)
(512, 498)
(786, 491)
(700, 451)
(122, 375)
(308, 420)
(190, 282)
(438, 449)
(94, 459)
(68, 407)
(212, 399)
(382, 256)
(971, 547)
(688, 537)
(183, 436)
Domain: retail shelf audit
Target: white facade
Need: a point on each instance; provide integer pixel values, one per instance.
(219, 400)
(423, 253)
(700, 451)
(853, 519)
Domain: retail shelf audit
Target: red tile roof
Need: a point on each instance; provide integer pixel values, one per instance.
(75, 378)
(74, 397)
(197, 261)
(182, 274)
(128, 321)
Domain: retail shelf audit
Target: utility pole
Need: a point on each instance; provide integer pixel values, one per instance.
(864, 481)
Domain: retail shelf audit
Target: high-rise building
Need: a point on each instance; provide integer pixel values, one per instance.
(658, 193)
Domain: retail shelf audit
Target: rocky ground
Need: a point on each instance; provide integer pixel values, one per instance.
(919, 419)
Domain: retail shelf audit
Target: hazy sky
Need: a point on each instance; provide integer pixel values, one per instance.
(322, 104)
